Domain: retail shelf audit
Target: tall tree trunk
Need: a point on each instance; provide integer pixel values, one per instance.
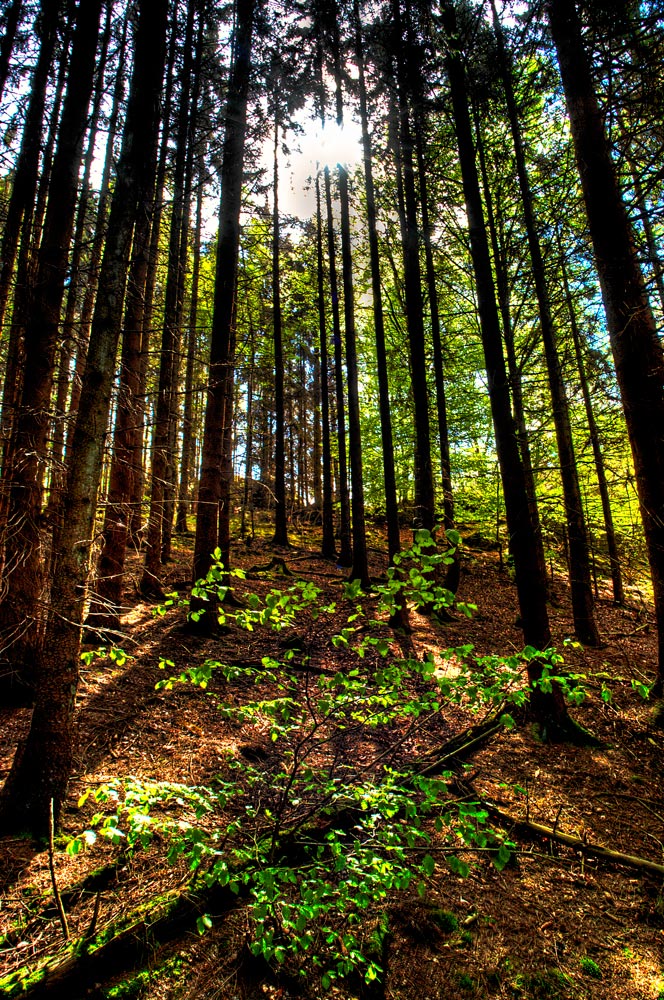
(516, 388)
(12, 19)
(360, 565)
(147, 302)
(19, 221)
(96, 251)
(637, 351)
(425, 499)
(162, 471)
(612, 545)
(213, 514)
(345, 557)
(280, 521)
(188, 437)
(548, 708)
(26, 173)
(40, 772)
(76, 263)
(327, 544)
(21, 615)
(387, 442)
(579, 546)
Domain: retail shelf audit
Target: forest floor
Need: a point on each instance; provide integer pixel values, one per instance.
(556, 922)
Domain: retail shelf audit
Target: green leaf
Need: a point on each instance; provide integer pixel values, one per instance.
(428, 865)
(203, 923)
(502, 857)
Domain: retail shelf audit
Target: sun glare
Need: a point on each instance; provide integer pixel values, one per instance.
(312, 150)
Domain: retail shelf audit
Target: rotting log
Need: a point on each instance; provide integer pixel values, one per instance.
(578, 843)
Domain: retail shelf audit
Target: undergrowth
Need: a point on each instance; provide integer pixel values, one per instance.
(308, 836)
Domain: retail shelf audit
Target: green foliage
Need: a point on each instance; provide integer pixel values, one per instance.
(551, 984)
(590, 967)
(312, 840)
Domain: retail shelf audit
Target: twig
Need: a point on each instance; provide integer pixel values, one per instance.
(51, 864)
(92, 926)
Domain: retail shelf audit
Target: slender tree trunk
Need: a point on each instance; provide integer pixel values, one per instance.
(162, 472)
(516, 388)
(188, 437)
(425, 500)
(637, 351)
(17, 223)
(579, 546)
(213, 515)
(248, 497)
(327, 545)
(389, 475)
(40, 772)
(360, 565)
(548, 708)
(280, 521)
(147, 304)
(76, 266)
(96, 251)
(12, 19)
(612, 545)
(26, 174)
(345, 557)
(20, 617)
(648, 232)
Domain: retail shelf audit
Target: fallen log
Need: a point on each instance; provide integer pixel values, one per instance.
(578, 843)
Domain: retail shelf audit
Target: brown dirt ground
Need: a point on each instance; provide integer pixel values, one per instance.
(555, 924)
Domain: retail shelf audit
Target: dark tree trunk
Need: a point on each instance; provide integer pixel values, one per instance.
(425, 500)
(41, 769)
(391, 504)
(12, 18)
(579, 546)
(26, 174)
(145, 305)
(327, 545)
(18, 225)
(21, 614)
(188, 436)
(95, 253)
(637, 351)
(516, 388)
(595, 440)
(549, 709)
(248, 495)
(162, 471)
(360, 565)
(280, 521)
(76, 267)
(345, 546)
(213, 514)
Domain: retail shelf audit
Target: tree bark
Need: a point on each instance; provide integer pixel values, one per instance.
(20, 613)
(280, 521)
(548, 708)
(41, 768)
(637, 351)
(579, 546)
(327, 543)
(215, 486)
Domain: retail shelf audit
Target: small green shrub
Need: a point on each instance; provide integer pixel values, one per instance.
(589, 967)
